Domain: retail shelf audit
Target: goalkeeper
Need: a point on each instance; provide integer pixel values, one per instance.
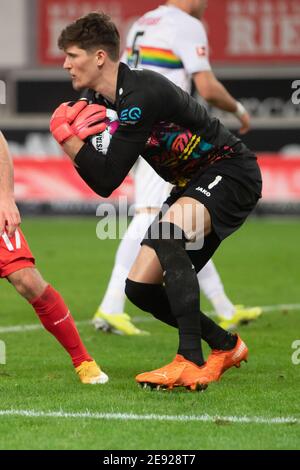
(171, 40)
(217, 184)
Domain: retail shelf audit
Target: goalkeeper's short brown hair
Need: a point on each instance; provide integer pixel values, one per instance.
(95, 30)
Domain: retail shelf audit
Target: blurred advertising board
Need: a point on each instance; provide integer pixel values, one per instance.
(240, 31)
(55, 179)
(54, 15)
(281, 178)
(254, 31)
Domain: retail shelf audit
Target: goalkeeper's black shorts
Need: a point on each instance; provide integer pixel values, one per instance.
(229, 189)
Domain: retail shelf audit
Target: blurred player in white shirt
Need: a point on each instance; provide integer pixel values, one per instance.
(170, 40)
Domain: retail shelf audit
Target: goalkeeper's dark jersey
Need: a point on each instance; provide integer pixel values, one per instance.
(165, 125)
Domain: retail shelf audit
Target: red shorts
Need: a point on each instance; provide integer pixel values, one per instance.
(15, 253)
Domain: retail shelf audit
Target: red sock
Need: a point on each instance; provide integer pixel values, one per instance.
(57, 319)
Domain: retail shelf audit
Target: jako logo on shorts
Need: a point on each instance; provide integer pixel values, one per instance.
(203, 191)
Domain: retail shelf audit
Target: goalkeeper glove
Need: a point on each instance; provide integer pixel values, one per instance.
(90, 121)
(66, 121)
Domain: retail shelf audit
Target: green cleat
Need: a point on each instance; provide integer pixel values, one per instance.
(119, 324)
(241, 315)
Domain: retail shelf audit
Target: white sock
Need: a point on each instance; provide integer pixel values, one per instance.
(212, 287)
(114, 299)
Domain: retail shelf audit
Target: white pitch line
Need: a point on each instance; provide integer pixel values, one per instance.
(152, 417)
(284, 307)
(19, 328)
(32, 327)
(137, 319)
(264, 308)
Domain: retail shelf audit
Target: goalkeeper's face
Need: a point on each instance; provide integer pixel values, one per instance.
(83, 66)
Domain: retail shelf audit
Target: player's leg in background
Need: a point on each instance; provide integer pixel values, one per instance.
(110, 314)
(150, 192)
(212, 287)
(229, 315)
(114, 298)
(57, 319)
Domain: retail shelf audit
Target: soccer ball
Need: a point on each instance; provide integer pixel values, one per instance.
(102, 140)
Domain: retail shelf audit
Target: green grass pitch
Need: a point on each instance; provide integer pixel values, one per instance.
(259, 266)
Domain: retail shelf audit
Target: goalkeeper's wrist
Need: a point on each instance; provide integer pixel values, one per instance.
(240, 110)
(63, 133)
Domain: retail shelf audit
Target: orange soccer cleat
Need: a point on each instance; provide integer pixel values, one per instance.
(193, 377)
(165, 377)
(219, 360)
(179, 373)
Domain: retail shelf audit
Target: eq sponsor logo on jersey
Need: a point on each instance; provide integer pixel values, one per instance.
(130, 115)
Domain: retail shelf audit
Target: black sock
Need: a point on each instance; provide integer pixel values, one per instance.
(182, 288)
(152, 298)
(189, 348)
(215, 336)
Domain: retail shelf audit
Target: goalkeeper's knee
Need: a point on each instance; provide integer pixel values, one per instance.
(150, 298)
